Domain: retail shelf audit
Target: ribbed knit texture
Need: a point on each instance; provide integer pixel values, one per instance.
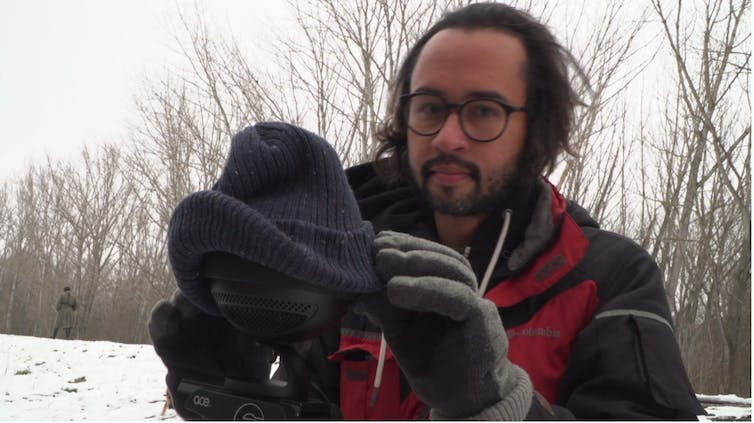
(282, 201)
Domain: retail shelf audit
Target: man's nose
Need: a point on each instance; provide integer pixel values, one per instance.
(451, 137)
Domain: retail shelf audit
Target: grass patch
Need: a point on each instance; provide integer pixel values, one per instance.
(23, 372)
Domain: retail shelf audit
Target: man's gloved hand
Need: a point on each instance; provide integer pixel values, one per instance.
(203, 348)
(448, 341)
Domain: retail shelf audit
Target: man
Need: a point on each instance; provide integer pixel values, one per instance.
(481, 108)
(573, 321)
(65, 307)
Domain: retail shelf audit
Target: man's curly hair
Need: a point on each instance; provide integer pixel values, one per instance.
(550, 102)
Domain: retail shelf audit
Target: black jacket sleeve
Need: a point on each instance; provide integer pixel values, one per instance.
(626, 363)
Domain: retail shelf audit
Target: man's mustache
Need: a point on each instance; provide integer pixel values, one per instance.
(447, 159)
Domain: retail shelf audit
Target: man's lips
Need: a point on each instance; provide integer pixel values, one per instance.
(449, 174)
(448, 171)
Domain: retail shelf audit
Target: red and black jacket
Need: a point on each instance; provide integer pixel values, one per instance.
(584, 309)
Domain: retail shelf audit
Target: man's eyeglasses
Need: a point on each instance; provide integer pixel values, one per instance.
(482, 119)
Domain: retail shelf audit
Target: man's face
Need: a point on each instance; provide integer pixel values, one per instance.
(459, 176)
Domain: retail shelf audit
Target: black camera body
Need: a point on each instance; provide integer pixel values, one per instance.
(278, 311)
(221, 403)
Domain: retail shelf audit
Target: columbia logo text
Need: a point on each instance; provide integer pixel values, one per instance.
(546, 332)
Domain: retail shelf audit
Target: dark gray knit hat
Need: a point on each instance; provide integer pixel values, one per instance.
(282, 201)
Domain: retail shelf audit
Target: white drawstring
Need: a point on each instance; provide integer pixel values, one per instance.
(378, 375)
(496, 254)
(482, 288)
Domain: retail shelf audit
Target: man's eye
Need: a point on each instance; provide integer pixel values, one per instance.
(432, 109)
(484, 111)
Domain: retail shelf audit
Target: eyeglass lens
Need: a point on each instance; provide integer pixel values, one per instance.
(481, 120)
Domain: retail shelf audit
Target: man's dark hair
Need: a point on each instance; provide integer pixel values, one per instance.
(550, 101)
(66, 288)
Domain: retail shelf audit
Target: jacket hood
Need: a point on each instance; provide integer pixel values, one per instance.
(580, 215)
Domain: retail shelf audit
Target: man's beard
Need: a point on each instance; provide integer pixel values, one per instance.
(475, 201)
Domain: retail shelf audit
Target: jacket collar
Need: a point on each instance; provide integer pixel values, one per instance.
(536, 221)
(541, 227)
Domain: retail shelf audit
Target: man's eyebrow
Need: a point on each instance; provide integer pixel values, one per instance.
(487, 94)
(425, 90)
(468, 95)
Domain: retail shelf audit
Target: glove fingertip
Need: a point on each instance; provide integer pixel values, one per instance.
(185, 307)
(397, 240)
(388, 261)
(161, 311)
(383, 239)
(162, 324)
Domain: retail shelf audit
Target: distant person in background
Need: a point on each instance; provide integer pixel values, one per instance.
(66, 306)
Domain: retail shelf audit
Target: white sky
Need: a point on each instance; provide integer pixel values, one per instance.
(69, 69)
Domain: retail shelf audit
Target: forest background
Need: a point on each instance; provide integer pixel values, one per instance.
(663, 148)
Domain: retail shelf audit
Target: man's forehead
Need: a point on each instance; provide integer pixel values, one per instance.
(472, 62)
(475, 39)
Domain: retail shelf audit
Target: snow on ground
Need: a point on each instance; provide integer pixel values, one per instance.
(726, 407)
(54, 379)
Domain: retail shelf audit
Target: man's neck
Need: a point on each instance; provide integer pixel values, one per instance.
(457, 231)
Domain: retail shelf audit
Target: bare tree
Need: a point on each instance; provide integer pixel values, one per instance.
(703, 240)
(344, 65)
(93, 200)
(609, 57)
(10, 269)
(33, 250)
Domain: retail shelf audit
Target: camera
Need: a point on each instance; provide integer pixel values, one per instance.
(278, 311)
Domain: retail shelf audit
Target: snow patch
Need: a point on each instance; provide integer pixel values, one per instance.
(54, 379)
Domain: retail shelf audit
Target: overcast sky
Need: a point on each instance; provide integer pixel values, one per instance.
(69, 69)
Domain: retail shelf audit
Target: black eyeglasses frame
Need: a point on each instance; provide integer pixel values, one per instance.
(449, 107)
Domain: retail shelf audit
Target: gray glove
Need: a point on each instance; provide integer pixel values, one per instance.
(448, 341)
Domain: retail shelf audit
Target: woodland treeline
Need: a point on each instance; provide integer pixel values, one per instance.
(665, 161)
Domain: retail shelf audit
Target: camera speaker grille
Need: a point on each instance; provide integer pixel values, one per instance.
(264, 316)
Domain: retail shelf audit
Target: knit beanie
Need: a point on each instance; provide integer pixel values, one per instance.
(282, 201)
